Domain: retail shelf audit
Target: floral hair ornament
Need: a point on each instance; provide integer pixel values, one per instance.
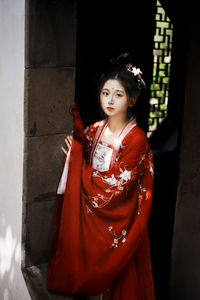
(137, 73)
(134, 70)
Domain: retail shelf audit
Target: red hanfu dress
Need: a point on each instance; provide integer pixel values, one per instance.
(100, 235)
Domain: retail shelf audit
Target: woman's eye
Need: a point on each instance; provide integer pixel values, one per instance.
(119, 95)
(105, 93)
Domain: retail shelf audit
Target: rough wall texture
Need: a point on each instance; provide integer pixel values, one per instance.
(51, 33)
(49, 95)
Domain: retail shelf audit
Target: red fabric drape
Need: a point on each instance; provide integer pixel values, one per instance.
(100, 237)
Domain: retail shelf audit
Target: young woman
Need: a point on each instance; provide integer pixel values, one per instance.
(100, 237)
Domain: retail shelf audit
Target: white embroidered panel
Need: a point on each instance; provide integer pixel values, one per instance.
(102, 157)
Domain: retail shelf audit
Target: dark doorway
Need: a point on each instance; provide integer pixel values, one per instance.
(105, 30)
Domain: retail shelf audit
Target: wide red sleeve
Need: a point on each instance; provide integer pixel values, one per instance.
(103, 223)
(108, 188)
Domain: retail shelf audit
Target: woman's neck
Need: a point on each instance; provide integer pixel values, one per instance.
(115, 123)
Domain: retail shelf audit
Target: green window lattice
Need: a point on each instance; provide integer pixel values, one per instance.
(161, 69)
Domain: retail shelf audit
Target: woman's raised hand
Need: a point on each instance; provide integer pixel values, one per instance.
(68, 141)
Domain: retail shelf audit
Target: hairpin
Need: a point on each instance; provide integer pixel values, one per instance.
(134, 70)
(138, 74)
(118, 59)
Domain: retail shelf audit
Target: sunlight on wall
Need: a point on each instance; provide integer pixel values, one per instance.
(12, 24)
(9, 252)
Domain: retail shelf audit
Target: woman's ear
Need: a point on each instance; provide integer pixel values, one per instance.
(132, 101)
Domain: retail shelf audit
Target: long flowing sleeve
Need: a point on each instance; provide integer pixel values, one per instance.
(102, 241)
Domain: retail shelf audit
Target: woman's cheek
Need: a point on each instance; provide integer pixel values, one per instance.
(102, 103)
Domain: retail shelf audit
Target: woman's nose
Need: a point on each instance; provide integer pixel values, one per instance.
(111, 100)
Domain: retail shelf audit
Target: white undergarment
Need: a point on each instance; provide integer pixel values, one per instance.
(102, 157)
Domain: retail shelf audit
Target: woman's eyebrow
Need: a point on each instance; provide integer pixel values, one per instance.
(107, 89)
(120, 91)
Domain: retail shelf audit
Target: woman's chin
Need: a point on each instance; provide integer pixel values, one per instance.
(110, 112)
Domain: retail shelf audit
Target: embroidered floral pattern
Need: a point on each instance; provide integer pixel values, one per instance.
(143, 192)
(116, 183)
(117, 237)
(89, 134)
(148, 163)
(99, 200)
(111, 180)
(88, 209)
(124, 177)
(142, 195)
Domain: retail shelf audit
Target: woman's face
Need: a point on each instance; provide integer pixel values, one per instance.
(113, 99)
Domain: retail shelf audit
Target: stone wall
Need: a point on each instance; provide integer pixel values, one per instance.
(49, 93)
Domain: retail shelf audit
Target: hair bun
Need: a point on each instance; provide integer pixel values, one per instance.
(122, 61)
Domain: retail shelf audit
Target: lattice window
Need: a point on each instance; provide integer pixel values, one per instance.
(161, 69)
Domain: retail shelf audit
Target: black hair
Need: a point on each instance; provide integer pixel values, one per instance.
(132, 84)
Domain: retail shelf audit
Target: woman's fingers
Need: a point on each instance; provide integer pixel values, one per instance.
(68, 141)
(64, 150)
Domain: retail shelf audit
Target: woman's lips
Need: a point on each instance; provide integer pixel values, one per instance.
(110, 108)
